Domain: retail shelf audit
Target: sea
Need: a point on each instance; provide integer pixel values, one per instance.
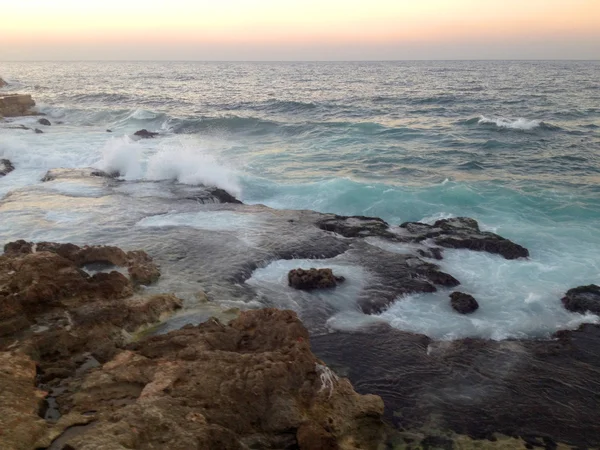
(512, 144)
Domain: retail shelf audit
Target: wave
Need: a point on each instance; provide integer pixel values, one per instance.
(513, 124)
(185, 165)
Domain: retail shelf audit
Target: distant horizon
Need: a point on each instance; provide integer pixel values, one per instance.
(305, 60)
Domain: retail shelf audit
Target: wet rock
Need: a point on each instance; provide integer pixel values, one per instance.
(223, 196)
(583, 299)
(253, 382)
(3, 83)
(463, 303)
(478, 387)
(5, 167)
(44, 122)
(463, 232)
(431, 252)
(38, 131)
(13, 105)
(313, 279)
(56, 174)
(109, 131)
(355, 226)
(145, 134)
(18, 127)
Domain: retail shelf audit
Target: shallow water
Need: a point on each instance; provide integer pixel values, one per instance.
(515, 145)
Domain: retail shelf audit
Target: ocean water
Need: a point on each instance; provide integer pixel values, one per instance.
(515, 145)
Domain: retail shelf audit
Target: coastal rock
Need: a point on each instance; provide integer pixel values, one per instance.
(5, 167)
(3, 83)
(355, 226)
(253, 383)
(56, 174)
(13, 105)
(223, 196)
(463, 303)
(313, 279)
(583, 299)
(38, 131)
(45, 122)
(464, 232)
(145, 134)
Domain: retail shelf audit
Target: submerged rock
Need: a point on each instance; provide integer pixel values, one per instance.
(313, 279)
(464, 232)
(545, 391)
(13, 105)
(463, 303)
(38, 131)
(45, 122)
(583, 299)
(5, 167)
(145, 134)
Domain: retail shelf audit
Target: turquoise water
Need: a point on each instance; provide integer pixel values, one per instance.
(515, 145)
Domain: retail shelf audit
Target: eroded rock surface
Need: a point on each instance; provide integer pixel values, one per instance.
(313, 279)
(583, 299)
(13, 105)
(251, 384)
(5, 167)
(463, 232)
(463, 303)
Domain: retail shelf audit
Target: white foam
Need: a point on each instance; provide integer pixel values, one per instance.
(123, 156)
(518, 124)
(272, 281)
(517, 299)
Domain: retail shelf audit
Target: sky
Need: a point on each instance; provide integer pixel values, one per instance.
(281, 30)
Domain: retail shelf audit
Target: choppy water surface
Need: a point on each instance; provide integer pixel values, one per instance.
(516, 145)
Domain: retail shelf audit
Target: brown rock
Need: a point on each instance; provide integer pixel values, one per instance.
(254, 382)
(12, 105)
(3, 83)
(313, 279)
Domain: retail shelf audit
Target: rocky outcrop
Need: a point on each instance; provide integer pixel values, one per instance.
(73, 374)
(251, 384)
(56, 174)
(5, 167)
(13, 105)
(145, 134)
(463, 232)
(463, 303)
(583, 299)
(44, 122)
(355, 226)
(313, 279)
(3, 83)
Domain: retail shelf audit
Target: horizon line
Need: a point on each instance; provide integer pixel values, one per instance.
(298, 60)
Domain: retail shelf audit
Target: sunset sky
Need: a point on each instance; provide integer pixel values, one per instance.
(299, 29)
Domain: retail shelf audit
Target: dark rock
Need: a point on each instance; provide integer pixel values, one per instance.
(38, 131)
(19, 127)
(3, 83)
(145, 134)
(109, 131)
(355, 226)
(45, 122)
(583, 299)
(313, 279)
(463, 232)
(5, 167)
(223, 196)
(431, 252)
(478, 387)
(463, 303)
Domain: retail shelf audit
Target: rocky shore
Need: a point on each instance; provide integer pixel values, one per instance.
(91, 355)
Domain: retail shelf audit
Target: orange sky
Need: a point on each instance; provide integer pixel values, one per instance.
(300, 29)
